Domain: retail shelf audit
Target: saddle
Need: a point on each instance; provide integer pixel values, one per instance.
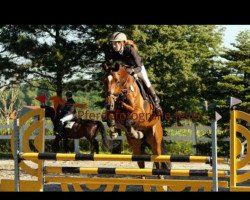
(69, 124)
(143, 91)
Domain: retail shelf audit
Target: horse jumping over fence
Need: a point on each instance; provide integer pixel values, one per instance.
(81, 128)
(127, 110)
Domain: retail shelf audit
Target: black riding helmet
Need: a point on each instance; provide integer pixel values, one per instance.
(68, 94)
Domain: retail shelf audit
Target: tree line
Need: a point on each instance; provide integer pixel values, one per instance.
(187, 64)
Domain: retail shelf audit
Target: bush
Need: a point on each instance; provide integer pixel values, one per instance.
(5, 146)
(223, 147)
(179, 147)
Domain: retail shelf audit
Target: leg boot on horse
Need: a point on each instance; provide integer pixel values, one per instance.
(131, 131)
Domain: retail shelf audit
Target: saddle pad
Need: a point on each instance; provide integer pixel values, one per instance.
(69, 125)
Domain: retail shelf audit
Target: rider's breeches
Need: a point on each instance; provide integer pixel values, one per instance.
(144, 76)
(67, 118)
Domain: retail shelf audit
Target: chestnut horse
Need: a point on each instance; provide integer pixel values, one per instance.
(81, 128)
(124, 103)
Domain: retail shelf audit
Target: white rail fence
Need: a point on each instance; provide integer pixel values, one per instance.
(194, 138)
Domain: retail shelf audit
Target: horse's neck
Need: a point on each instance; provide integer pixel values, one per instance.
(54, 121)
(53, 114)
(136, 96)
(138, 99)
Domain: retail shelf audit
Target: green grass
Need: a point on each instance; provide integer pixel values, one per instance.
(5, 155)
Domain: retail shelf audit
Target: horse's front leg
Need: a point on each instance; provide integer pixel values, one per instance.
(131, 131)
(128, 107)
(55, 144)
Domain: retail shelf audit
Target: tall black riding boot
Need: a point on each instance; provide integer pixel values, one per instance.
(156, 101)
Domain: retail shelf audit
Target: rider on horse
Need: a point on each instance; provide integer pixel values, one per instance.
(68, 112)
(126, 51)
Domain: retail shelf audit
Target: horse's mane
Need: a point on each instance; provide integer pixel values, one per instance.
(123, 72)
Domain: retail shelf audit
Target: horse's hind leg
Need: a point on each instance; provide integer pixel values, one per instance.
(65, 144)
(154, 139)
(161, 165)
(55, 144)
(165, 165)
(137, 150)
(155, 142)
(156, 150)
(94, 146)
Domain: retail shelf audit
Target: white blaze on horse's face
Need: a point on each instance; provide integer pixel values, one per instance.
(110, 77)
(110, 98)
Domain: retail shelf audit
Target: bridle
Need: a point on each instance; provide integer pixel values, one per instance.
(121, 96)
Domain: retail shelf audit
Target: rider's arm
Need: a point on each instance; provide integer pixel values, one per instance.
(137, 59)
(71, 109)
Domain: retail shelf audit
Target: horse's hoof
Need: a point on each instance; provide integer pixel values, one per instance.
(165, 188)
(169, 165)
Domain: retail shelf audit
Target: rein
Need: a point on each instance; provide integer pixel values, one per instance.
(124, 91)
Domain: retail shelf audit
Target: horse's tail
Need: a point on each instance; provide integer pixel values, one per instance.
(101, 128)
(165, 165)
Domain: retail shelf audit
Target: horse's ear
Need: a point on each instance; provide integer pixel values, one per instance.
(117, 67)
(105, 67)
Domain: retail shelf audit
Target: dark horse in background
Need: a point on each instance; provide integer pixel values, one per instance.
(125, 102)
(81, 128)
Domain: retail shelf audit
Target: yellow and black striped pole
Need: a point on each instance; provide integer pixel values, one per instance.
(114, 157)
(128, 171)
